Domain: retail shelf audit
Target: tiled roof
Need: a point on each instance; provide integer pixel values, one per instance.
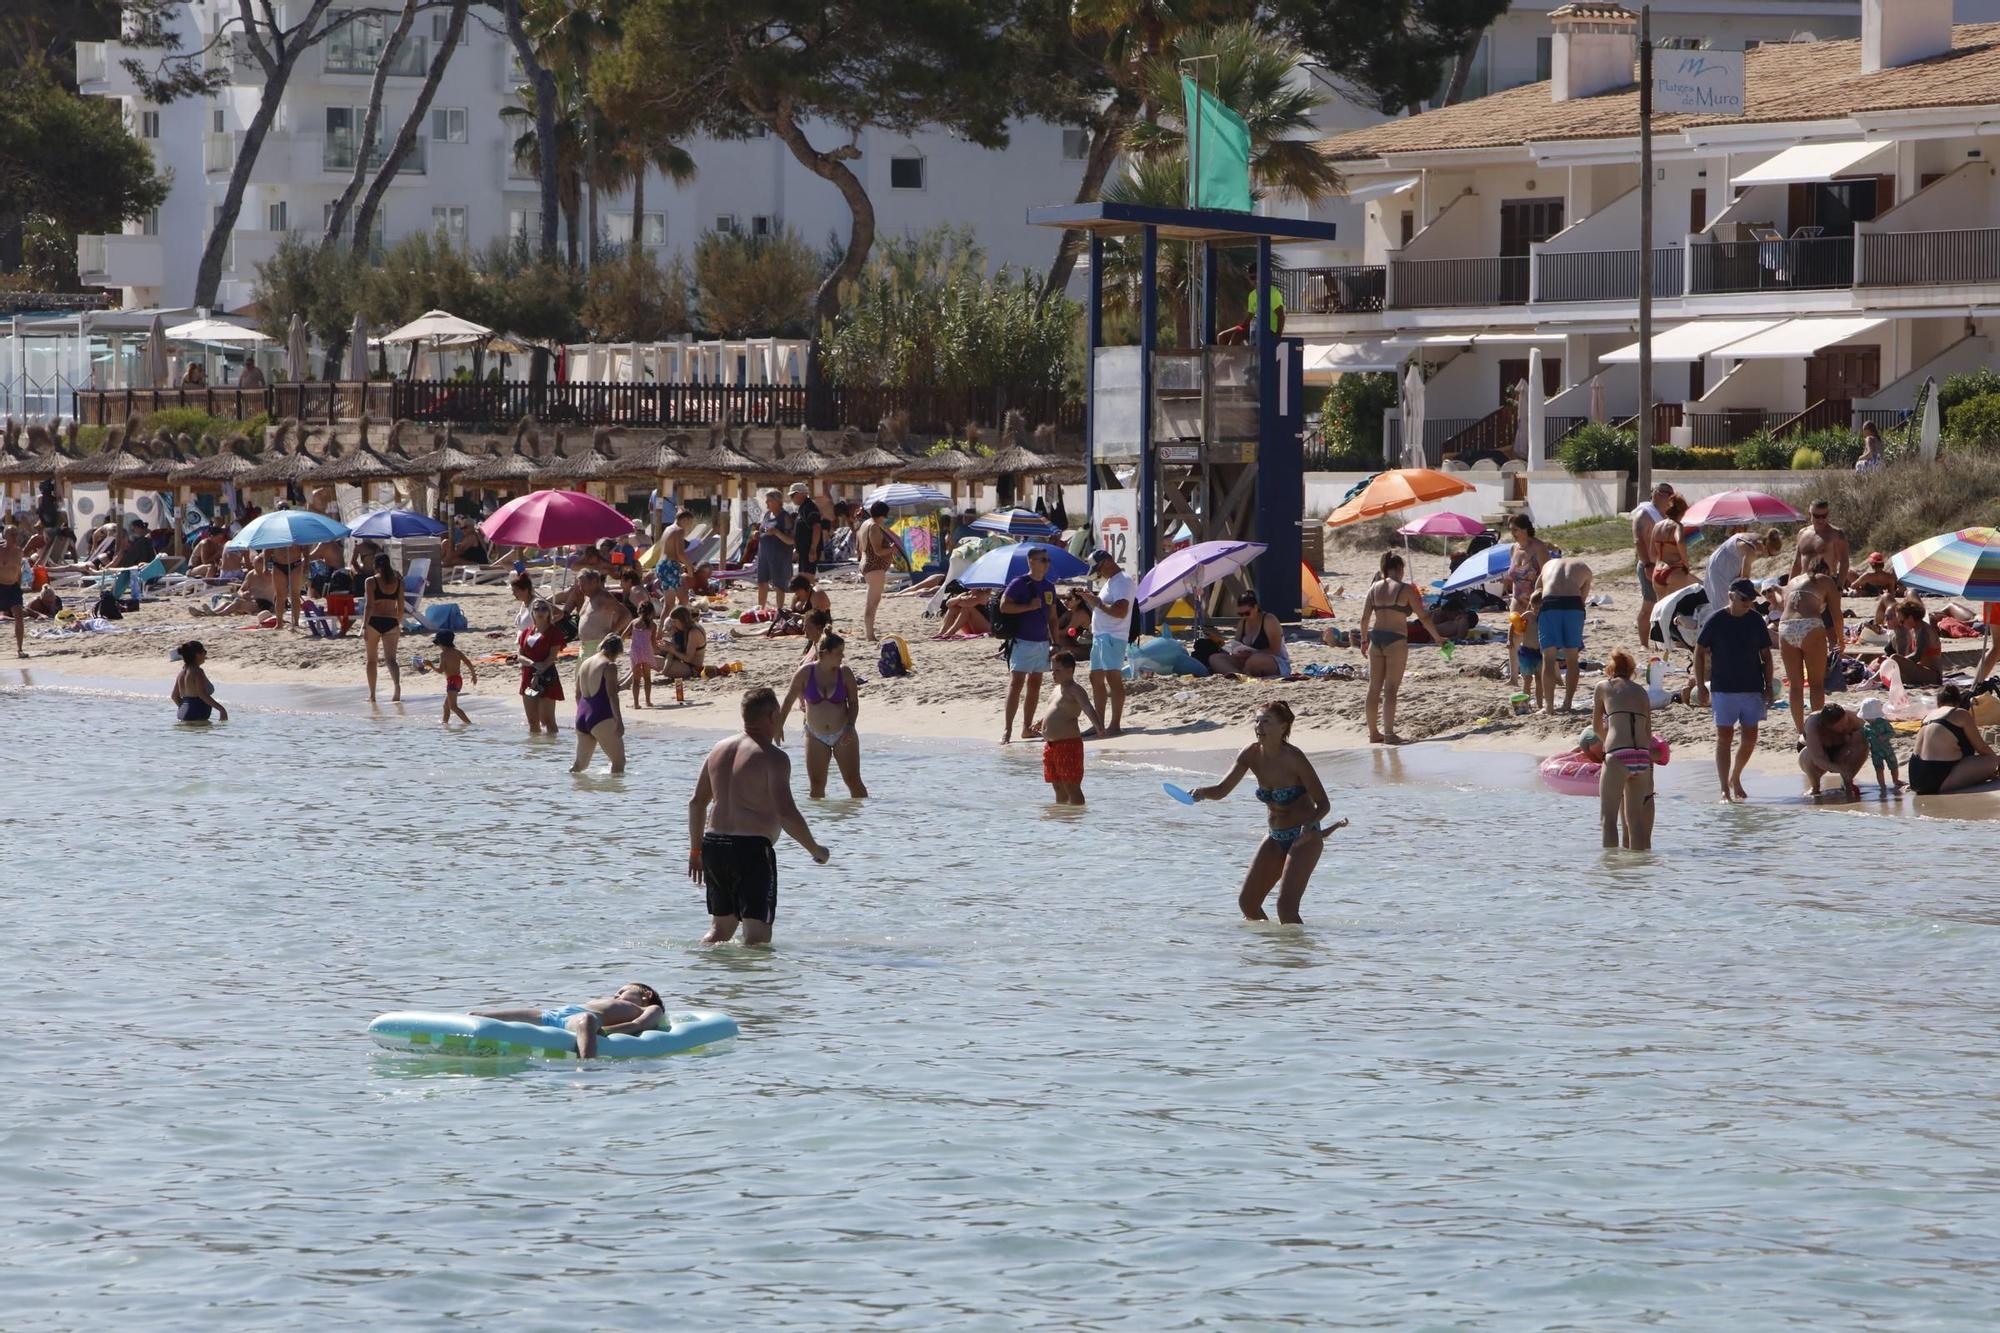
(1789, 82)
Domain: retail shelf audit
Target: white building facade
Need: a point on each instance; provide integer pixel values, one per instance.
(462, 179)
(1815, 261)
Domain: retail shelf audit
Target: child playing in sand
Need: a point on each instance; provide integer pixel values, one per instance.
(1062, 740)
(456, 666)
(1881, 744)
(642, 654)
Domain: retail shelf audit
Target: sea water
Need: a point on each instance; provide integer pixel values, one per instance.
(1008, 1067)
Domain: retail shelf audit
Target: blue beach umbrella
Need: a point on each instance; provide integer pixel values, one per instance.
(1481, 567)
(287, 527)
(1015, 523)
(397, 524)
(908, 495)
(997, 569)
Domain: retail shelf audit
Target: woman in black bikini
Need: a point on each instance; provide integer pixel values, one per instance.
(384, 608)
(287, 566)
(1950, 754)
(685, 647)
(1259, 649)
(1287, 784)
(193, 696)
(1385, 627)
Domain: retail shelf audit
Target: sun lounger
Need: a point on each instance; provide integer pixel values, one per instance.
(957, 566)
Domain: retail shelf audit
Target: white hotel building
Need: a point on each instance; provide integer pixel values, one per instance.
(1815, 260)
(462, 177)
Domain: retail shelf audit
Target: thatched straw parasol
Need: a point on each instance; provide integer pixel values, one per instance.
(874, 461)
(723, 459)
(359, 464)
(658, 459)
(945, 465)
(510, 467)
(598, 462)
(804, 463)
(1014, 460)
(280, 469)
(231, 463)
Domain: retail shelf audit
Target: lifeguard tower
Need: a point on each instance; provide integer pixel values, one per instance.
(1208, 438)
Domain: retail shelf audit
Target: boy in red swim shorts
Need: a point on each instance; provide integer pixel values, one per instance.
(1062, 740)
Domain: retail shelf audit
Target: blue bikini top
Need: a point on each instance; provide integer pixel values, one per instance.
(1280, 795)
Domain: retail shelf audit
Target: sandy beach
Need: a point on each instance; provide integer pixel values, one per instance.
(957, 687)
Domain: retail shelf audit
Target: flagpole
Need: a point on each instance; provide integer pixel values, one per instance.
(1197, 279)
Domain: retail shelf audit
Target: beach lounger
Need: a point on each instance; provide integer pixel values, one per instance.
(414, 579)
(957, 566)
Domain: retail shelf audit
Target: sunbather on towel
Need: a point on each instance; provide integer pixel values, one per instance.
(256, 597)
(634, 1008)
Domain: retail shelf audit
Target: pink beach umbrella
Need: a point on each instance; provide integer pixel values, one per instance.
(554, 518)
(1735, 509)
(1443, 524)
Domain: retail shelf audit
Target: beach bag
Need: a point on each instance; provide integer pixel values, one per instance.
(1005, 623)
(544, 678)
(108, 607)
(445, 616)
(894, 659)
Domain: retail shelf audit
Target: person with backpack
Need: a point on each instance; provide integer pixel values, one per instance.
(1111, 616)
(1025, 605)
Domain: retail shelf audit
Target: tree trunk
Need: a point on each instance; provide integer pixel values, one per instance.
(413, 124)
(277, 73)
(1461, 69)
(1106, 137)
(570, 229)
(831, 167)
(639, 209)
(544, 83)
(371, 125)
(590, 190)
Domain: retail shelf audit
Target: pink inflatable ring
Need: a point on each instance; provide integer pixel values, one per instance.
(1576, 773)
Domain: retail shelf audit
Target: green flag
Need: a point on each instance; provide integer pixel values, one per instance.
(1218, 152)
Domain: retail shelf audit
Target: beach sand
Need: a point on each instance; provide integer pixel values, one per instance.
(957, 688)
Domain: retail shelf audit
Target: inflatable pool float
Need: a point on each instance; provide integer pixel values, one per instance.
(1576, 773)
(463, 1035)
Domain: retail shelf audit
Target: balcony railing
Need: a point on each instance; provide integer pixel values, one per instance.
(90, 63)
(218, 151)
(338, 150)
(1605, 275)
(1811, 264)
(1436, 433)
(1732, 426)
(357, 47)
(1930, 258)
(1421, 283)
(1356, 289)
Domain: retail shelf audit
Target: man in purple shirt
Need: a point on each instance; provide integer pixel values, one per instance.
(1028, 599)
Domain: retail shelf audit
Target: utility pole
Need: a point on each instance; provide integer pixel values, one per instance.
(1645, 465)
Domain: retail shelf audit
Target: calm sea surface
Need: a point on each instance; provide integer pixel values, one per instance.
(1008, 1067)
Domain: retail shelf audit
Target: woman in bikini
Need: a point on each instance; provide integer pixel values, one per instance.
(599, 721)
(384, 627)
(685, 646)
(1524, 572)
(1950, 754)
(1915, 648)
(1288, 786)
(541, 682)
(1671, 571)
(1385, 628)
(878, 553)
(1259, 649)
(1622, 713)
(1802, 641)
(832, 701)
(193, 695)
(288, 578)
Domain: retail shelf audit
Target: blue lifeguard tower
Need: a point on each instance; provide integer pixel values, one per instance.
(1208, 438)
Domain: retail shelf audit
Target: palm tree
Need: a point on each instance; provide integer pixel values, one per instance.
(569, 139)
(567, 35)
(624, 157)
(1254, 77)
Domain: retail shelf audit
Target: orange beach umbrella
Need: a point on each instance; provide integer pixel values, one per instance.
(1394, 490)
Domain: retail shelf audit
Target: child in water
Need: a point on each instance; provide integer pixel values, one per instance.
(634, 1008)
(641, 653)
(1062, 739)
(456, 666)
(194, 698)
(1881, 744)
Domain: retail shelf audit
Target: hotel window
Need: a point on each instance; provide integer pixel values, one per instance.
(274, 216)
(1076, 145)
(521, 223)
(760, 225)
(451, 221)
(440, 28)
(150, 224)
(448, 124)
(216, 122)
(906, 173)
(149, 124)
(726, 223)
(1545, 63)
(620, 228)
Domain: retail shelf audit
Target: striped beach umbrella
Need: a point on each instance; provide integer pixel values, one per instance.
(1015, 523)
(908, 495)
(1964, 564)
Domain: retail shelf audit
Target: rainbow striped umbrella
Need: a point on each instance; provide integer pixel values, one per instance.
(1965, 564)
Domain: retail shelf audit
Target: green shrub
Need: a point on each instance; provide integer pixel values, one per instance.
(1904, 502)
(1970, 384)
(1837, 445)
(173, 422)
(1709, 459)
(1350, 416)
(1599, 448)
(89, 439)
(1975, 422)
(1807, 460)
(1762, 453)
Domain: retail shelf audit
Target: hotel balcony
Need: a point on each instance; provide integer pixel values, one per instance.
(98, 71)
(338, 151)
(120, 261)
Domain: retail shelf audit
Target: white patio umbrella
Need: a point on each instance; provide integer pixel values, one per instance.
(1928, 433)
(295, 349)
(1413, 417)
(216, 331)
(434, 327)
(1535, 410)
(1597, 412)
(1520, 441)
(357, 349)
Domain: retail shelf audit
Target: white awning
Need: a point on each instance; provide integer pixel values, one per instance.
(1691, 342)
(1799, 337)
(1472, 339)
(1809, 162)
(1346, 358)
(1361, 194)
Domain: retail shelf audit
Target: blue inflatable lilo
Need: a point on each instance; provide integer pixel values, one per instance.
(463, 1036)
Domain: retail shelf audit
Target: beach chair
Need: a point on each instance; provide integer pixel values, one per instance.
(957, 566)
(414, 579)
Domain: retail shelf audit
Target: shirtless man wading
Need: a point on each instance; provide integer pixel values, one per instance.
(1565, 585)
(731, 851)
(10, 585)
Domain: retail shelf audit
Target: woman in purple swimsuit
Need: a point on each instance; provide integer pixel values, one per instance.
(832, 699)
(598, 719)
